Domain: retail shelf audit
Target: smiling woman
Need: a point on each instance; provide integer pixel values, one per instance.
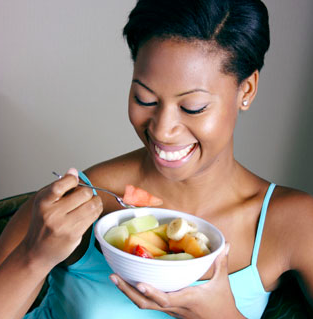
(185, 109)
(196, 65)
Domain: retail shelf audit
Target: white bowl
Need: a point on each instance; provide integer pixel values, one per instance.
(166, 275)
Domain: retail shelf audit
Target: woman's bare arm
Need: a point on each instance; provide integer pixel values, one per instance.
(44, 232)
(15, 266)
(301, 239)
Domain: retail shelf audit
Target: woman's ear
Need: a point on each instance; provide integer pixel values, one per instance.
(248, 90)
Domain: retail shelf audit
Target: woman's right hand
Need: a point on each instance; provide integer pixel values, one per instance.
(62, 212)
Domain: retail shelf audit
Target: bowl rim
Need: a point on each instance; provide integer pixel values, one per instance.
(158, 262)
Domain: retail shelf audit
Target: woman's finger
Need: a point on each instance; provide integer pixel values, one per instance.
(221, 264)
(83, 216)
(56, 190)
(143, 301)
(72, 201)
(132, 293)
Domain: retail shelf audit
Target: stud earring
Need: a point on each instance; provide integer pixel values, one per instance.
(245, 102)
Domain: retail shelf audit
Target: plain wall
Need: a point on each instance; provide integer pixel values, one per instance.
(65, 71)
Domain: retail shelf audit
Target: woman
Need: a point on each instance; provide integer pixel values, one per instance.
(196, 65)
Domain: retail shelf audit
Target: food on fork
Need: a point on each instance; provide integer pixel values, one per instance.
(139, 197)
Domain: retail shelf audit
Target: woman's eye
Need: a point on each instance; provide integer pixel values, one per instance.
(200, 110)
(144, 103)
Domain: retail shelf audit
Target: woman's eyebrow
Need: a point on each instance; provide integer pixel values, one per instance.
(193, 91)
(143, 85)
(180, 94)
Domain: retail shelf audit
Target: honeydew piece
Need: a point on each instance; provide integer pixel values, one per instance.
(161, 231)
(141, 223)
(179, 256)
(154, 239)
(116, 236)
(132, 241)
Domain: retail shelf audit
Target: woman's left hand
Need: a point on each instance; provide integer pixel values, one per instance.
(213, 299)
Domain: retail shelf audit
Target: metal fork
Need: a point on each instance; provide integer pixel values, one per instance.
(118, 199)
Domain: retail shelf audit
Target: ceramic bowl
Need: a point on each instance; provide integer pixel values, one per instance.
(166, 275)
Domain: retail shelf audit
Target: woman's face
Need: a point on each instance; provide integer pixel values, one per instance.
(183, 108)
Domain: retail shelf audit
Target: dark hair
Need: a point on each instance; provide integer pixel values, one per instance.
(238, 27)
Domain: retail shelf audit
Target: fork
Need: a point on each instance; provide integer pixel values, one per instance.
(118, 199)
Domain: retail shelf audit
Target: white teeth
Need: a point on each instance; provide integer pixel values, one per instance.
(173, 156)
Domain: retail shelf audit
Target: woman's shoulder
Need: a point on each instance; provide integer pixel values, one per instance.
(291, 203)
(290, 222)
(115, 173)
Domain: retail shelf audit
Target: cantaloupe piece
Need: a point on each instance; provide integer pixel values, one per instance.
(154, 239)
(139, 197)
(187, 244)
(132, 241)
(161, 231)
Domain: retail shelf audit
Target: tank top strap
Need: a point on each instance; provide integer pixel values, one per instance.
(259, 233)
(85, 179)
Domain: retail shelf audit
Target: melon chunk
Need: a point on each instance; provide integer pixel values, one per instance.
(139, 197)
(132, 241)
(140, 224)
(154, 239)
(179, 256)
(116, 236)
(161, 231)
(187, 244)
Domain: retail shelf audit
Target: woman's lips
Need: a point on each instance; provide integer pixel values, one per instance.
(172, 156)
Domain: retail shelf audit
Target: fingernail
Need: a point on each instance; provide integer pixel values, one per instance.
(142, 289)
(73, 171)
(114, 280)
(227, 249)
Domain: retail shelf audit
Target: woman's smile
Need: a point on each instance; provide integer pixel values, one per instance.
(172, 156)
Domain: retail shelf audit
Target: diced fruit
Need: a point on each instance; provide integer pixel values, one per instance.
(139, 197)
(142, 252)
(161, 231)
(140, 224)
(154, 239)
(203, 241)
(143, 236)
(179, 227)
(132, 241)
(116, 236)
(187, 244)
(179, 256)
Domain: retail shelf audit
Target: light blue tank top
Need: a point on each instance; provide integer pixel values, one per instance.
(84, 290)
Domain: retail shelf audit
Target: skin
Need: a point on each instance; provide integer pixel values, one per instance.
(171, 77)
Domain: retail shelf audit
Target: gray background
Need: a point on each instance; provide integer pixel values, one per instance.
(65, 72)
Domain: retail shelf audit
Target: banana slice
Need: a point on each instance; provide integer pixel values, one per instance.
(192, 227)
(177, 229)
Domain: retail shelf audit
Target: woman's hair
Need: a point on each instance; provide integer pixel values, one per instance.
(239, 27)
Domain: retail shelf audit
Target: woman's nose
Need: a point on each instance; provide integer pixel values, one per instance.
(165, 124)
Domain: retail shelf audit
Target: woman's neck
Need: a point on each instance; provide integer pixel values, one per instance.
(205, 192)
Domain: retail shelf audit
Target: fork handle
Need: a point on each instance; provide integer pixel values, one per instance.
(98, 189)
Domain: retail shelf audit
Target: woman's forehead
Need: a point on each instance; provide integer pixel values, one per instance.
(183, 63)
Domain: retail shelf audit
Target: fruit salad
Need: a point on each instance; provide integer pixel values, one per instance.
(143, 236)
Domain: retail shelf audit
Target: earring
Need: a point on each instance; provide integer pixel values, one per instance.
(245, 102)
